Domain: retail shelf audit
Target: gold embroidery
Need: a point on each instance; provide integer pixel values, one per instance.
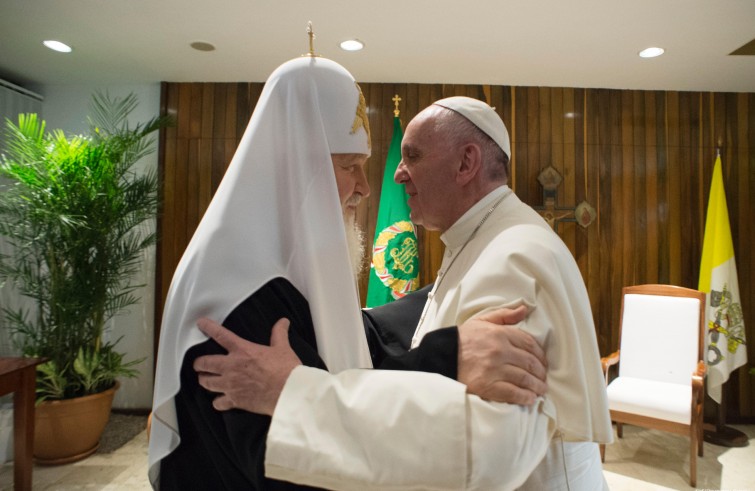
(403, 255)
(360, 120)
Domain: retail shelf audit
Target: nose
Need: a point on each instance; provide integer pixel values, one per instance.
(401, 176)
(362, 186)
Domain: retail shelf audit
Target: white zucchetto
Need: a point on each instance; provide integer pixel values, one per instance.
(482, 116)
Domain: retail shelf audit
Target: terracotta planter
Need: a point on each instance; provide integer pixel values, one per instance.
(70, 430)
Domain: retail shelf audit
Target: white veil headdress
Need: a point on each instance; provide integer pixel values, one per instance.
(275, 214)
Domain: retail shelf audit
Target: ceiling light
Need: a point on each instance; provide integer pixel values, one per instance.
(651, 52)
(202, 46)
(352, 45)
(57, 46)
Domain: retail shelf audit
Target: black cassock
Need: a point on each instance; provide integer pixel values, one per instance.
(226, 449)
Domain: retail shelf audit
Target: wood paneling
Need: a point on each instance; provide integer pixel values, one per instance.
(642, 159)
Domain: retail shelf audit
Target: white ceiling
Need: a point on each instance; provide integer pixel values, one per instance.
(570, 43)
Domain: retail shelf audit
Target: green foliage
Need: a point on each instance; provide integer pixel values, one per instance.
(73, 210)
(98, 369)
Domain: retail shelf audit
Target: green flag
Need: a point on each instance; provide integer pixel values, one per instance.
(395, 260)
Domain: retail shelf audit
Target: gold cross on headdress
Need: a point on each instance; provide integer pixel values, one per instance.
(311, 34)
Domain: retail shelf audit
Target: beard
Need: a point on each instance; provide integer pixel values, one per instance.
(355, 243)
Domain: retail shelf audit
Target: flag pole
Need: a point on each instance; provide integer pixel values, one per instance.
(720, 434)
(394, 269)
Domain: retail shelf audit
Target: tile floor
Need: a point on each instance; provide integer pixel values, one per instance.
(642, 460)
(125, 469)
(655, 460)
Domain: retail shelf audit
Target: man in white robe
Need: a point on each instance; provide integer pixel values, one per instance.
(377, 430)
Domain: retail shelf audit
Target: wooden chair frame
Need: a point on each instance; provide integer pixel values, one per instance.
(695, 429)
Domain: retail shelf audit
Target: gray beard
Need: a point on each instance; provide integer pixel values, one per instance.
(355, 243)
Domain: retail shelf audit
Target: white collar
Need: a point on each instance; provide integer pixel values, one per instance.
(465, 226)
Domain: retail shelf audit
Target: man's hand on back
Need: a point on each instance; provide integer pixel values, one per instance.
(251, 376)
(500, 362)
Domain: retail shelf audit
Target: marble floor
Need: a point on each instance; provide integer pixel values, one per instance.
(655, 460)
(642, 460)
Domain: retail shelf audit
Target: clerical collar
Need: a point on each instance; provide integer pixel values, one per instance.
(460, 231)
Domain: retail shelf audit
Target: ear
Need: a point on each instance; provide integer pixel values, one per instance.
(470, 165)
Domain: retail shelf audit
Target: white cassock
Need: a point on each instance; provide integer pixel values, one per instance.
(371, 429)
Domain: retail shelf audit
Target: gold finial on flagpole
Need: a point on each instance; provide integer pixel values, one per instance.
(396, 99)
(311, 34)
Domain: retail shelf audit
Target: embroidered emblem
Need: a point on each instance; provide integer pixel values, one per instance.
(729, 321)
(395, 258)
(360, 120)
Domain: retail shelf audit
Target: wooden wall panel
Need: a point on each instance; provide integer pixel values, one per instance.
(642, 159)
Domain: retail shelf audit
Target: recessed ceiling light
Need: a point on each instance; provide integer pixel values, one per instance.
(57, 46)
(202, 46)
(651, 52)
(352, 45)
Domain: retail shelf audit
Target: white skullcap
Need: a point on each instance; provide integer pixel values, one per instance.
(482, 116)
(337, 97)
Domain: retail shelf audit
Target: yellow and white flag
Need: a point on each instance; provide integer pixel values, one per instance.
(725, 333)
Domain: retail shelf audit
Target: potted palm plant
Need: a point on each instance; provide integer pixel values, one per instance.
(74, 212)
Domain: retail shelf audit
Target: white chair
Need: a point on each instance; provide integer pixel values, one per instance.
(661, 368)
